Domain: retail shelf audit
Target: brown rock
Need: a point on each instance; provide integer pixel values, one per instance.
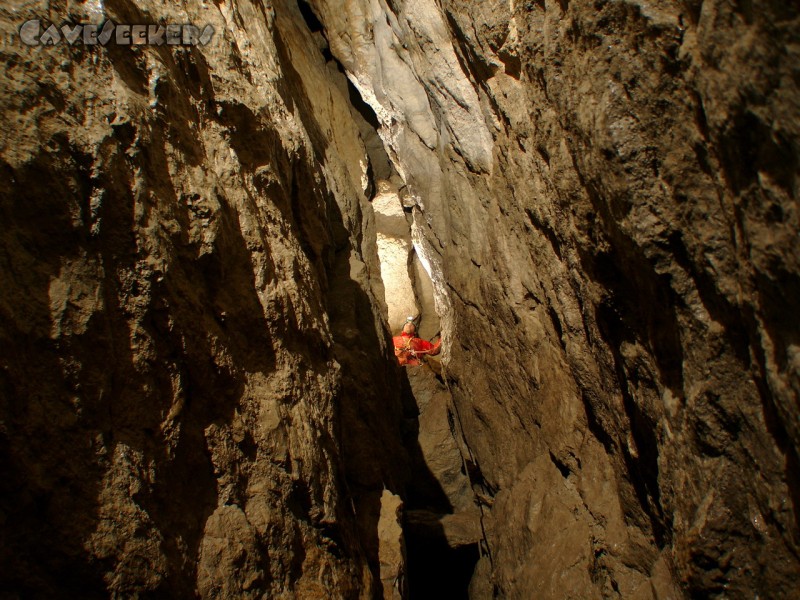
(197, 392)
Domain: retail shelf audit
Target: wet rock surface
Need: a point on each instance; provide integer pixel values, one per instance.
(197, 391)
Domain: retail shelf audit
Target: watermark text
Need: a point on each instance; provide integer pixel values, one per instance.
(42, 33)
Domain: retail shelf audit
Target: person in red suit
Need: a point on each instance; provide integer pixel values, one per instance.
(410, 350)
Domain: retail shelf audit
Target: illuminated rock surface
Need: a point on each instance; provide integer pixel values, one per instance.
(198, 395)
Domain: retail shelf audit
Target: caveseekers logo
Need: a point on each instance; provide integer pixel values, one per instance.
(39, 33)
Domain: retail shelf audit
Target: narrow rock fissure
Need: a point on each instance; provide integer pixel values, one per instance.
(207, 249)
(437, 563)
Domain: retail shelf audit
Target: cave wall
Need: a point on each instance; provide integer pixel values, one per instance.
(608, 193)
(188, 303)
(196, 396)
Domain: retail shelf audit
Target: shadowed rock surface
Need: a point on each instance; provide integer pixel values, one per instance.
(198, 396)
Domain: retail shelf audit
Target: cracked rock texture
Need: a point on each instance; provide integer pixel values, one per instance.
(189, 316)
(197, 396)
(608, 193)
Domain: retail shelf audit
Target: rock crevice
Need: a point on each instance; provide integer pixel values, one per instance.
(596, 204)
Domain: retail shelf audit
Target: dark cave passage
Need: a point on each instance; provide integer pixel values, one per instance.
(436, 571)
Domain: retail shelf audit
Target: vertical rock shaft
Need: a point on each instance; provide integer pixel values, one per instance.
(197, 394)
(608, 196)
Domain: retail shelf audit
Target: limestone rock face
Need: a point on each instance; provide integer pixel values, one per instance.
(197, 393)
(187, 294)
(608, 194)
